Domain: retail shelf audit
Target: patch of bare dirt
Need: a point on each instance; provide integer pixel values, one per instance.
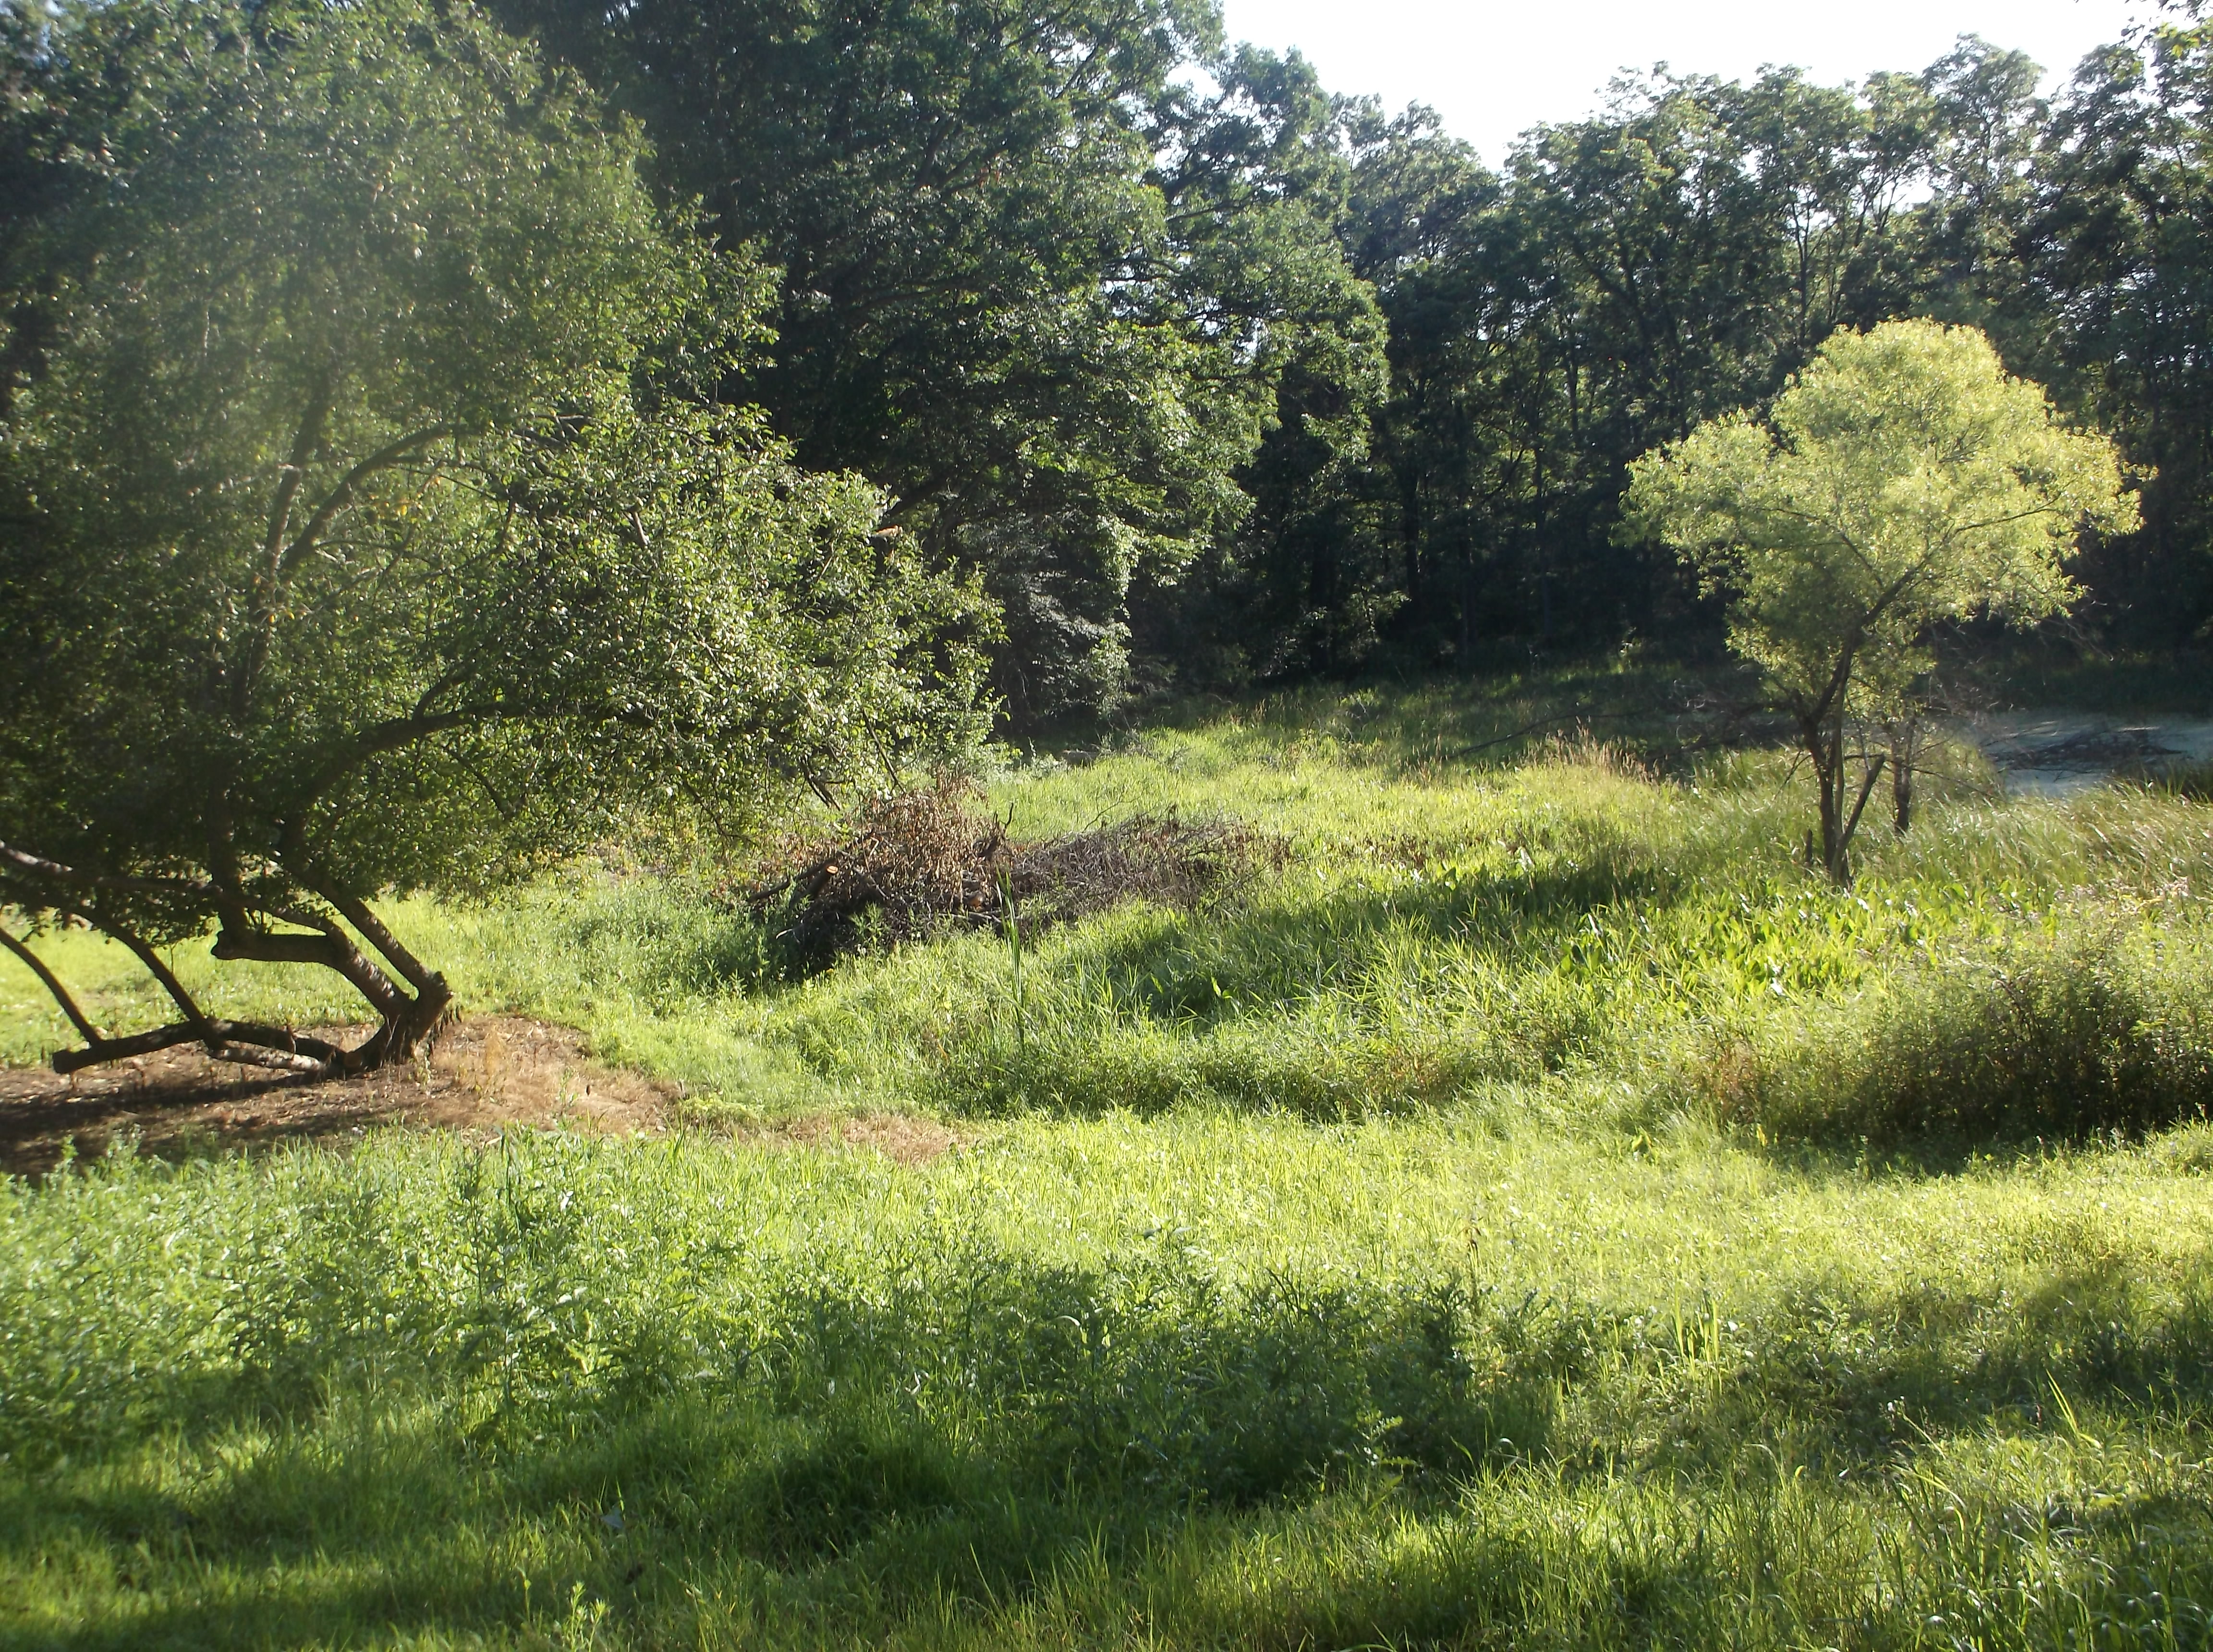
(482, 1074)
(898, 1136)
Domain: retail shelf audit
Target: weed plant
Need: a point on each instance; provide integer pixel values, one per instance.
(1539, 1215)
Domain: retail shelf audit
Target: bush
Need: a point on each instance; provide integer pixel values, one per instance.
(2059, 1040)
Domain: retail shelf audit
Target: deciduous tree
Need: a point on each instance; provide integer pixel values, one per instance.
(370, 521)
(1902, 478)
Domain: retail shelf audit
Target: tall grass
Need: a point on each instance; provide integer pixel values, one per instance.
(1539, 1215)
(1570, 928)
(1240, 1381)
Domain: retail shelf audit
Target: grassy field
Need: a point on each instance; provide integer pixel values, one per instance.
(1538, 1213)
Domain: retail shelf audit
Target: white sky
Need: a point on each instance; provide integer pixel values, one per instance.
(1493, 68)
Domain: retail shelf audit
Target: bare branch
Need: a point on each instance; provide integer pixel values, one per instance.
(246, 1042)
(138, 1044)
(331, 949)
(359, 914)
(159, 969)
(256, 1054)
(294, 473)
(1866, 787)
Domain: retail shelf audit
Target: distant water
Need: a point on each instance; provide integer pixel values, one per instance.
(2049, 754)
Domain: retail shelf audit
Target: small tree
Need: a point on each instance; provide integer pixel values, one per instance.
(1903, 479)
(365, 527)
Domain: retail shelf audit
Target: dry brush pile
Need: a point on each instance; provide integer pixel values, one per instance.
(908, 865)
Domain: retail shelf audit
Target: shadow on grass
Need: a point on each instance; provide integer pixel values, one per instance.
(1854, 1388)
(1294, 1006)
(958, 1435)
(960, 1432)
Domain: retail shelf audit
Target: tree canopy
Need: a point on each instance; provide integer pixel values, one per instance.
(372, 520)
(1904, 478)
(1032, 279)
(1680, 252)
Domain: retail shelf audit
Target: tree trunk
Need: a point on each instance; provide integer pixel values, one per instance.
(1825, 749)
(405, 1018)
(1840, 811)
(1905, 737)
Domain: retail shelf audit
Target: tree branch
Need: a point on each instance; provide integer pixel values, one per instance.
(294, 473)
(1866, 787)
(248, 1043)
(335, 501)
(359, 913)
(270, 577)
(390, 735)
(39, 866)
(2001, 521)
(53, 983)
(331, 949)
(199, 890)
(160, 971)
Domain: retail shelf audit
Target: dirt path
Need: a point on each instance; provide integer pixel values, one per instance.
(484, 1075)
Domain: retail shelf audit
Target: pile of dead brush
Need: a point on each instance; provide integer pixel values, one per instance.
(911, 864)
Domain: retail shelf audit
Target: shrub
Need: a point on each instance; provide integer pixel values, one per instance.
(2054, 1038)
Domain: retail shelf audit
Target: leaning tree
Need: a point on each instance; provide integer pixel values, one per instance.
(369, 523)
(1903, 479)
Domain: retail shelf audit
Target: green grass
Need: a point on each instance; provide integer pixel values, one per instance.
(1538, 1216)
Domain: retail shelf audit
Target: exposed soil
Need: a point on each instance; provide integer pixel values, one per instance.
(901, 1137)
(482, 1074)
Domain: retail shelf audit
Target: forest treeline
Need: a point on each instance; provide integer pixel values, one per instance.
(1219, 376)
(1213, 376)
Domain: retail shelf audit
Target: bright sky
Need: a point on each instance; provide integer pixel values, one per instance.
(1492, 68)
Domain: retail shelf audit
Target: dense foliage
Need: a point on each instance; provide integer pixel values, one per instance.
(1677, 256)
(1030, 281)
(1217, 377)
(371, 519)
(1211, 375)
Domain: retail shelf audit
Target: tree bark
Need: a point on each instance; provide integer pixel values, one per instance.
(1905, 737)
(1824, 741)
(405, 1019)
